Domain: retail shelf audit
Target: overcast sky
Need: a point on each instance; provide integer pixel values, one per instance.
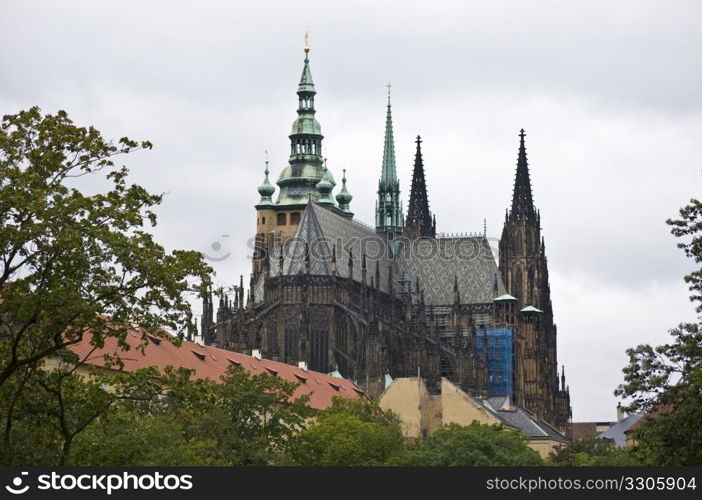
(609, 94)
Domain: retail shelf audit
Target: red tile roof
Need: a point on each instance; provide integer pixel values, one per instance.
(211, 363)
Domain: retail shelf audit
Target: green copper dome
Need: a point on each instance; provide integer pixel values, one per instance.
(266, 189)
(325, 187)
(306, 125)
(344, 197)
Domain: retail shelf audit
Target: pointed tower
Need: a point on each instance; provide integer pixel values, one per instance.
(388, 210)
(306, 177)
(298, 182)
(522, 202)
(520, 245)
(524, 271)
(419, 221)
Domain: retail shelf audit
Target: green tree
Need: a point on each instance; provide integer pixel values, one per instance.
(43, 421)
(474, 444)
(244, 420)
(70, 262)
(350, 433)
(666, 381)
(592, 451)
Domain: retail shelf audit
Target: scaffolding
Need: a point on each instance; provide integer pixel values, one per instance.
(499, 357)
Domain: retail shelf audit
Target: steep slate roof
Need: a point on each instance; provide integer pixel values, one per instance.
(320, 229)
(521, 419)
(211, 363)
(435, 262)
(438, 262)
(617, 431)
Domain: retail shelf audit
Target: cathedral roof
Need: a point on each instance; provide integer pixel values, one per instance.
(320, 231)
(435, 263)
(438, 263)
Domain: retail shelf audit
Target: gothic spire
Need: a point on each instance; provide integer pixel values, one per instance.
(298, 181)
(388, 211)
(389, 173)
(419, 219)
(522, 202)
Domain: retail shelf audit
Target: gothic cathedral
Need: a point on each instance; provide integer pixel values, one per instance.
(395, 300)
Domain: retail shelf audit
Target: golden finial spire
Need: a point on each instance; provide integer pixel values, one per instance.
(307, 41)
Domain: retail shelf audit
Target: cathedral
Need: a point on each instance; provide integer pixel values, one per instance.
(332, 294)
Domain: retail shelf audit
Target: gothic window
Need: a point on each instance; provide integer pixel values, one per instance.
(517, 285)
(263, 220)
(319, 340)
(281, 219)
(294, 218)
(291, 344)
(518, 243)
(272, 336)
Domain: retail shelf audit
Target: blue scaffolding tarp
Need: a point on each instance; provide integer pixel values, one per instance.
(499, 355)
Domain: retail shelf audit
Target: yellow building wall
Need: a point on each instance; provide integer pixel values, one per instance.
(461, 409)
(408, 398)
(543, 446)
(267, 222)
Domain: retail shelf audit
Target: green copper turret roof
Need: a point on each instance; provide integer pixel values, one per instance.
(505, 296)
(389, 218)
(531, 309)
(344, 197)
(389, 173)
(266, 189)
(306, 83)
(325, 187)
(299, 180)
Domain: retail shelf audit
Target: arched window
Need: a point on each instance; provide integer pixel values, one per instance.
(281, 220)
(294, 218)
(518, 285)
(263, 220)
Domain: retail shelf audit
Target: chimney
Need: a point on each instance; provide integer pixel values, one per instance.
(302, 365)
(256, 353)
(620, 413)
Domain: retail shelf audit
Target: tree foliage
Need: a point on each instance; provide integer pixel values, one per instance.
(593, 451)
(350, 433)
(70, 262)
(690, 225)
(475, 444)
(665, 381)
(151, 418)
